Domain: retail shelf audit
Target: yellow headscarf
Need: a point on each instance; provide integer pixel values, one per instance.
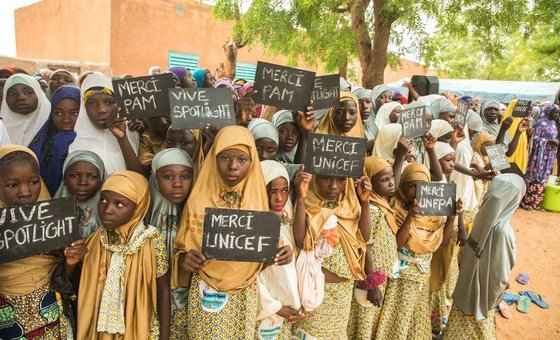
(479, 140)
(373, 166)
(23, 276)
(348, 215)
(327, 126)
(520, 156)
(140, 288)
(210, 191)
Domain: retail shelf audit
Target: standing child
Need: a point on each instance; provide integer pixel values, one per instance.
(190, 141)
(124, 288)
(288, 133)
(153, 140)
(266, 138)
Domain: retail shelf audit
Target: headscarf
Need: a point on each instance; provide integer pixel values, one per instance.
(347, 212)
(474, 121)
(490, 254)
(440, 128)
(384, 112)
(344, 84)
(327, 126)
(370, 128)
(479, 141)
(51, 145)
(118, 290)
(376, 92)
(67, 73)
(441, 105)
(271, 171)
(199, 75)
(24, 276)
(180, 72)
(375, 165)
(279, 118)
(210, 191)
(262, 128)
(466, 98)
(426, 232)
(491, 127)
(153, 69)
(87, 210)
(397, 96)
(44, 73)
(443, 149)
(100, 141)
(4, 137)
(429, 99)
(387, 141)
(224, 81)
(361, 93)
(22, 128)
(520, 156)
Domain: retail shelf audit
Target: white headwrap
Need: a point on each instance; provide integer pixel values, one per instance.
(443, 149)
(387, 141)
(440, 128)
(376, 92)
(279, 118)
(262, 128)
(440, 105)
(382, 117)
(474, 121)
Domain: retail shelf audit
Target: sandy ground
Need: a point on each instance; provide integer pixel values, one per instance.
(538, 254)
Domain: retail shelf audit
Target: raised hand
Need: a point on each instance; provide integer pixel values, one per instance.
(116, 124)
(192, 261)
(428, 140)
(363, 187)
(302, 181)
(75, 253)
(306, 119)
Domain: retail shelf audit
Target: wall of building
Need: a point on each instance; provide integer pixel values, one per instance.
(32, 65)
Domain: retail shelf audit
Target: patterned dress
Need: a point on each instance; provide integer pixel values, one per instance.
(462, 326)
(383, 246)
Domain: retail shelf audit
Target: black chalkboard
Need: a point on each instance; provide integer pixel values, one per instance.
(413, 122)
(497, 156)
(143, 97)
(461, 113)
(522, 108)
(330, 155)
(326, 92)
(283, 87)
(240, 235)
(436, 199)
(33, 229)
(194, 108)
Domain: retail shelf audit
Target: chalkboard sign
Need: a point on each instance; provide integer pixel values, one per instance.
(497, 156)
(194, 108)
(283, 87)
(436, 199)
(33, 229)
(522, 108)
(330, 155)
(143, 97)
(461, 113)
(326, 92)
(413, 122)
(240, 235)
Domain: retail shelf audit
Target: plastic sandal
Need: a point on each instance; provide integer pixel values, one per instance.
(504, 310)
(522, 278)
(510, 298)
(523, 304)
(536, 298)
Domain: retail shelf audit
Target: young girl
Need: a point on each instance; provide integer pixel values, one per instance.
(124, 288)
(343, 120)
(29, 304)
(388, 114)
(184, 77)
(366, 108)
(222, 294)
(190, 141)
(25, 108)
(288, 133)
(101, 130)
(279, 304)
(406, 309)
(266, 138)
(60, 78)
(381, 246)
(84, 173)
(152, 140)
(479, 144)
(52, 142)
(204, 78)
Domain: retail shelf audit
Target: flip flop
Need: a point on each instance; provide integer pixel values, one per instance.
(536, 298)
(504, 310)
(523, 304)
(522, 278)
(510, 298)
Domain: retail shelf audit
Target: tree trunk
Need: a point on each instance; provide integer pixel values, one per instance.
(343, 70)
(230, 52)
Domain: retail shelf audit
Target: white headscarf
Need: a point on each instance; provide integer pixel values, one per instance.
(382, 117)
(262, 128)
(100, 141)
(279, 118)
(440, 128)
(490, 254)
(443, 149)
(465, 183)
(491, 127)
(474, 121)
(387, 141)
(376, 92)
(429, 99)
(440, 105)
(4, 137)
(23, 128)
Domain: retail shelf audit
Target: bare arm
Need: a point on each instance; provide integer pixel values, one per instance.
(163, 305)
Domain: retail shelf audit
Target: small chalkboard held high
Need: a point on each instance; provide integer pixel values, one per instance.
(461, 113)
(240, 235)
(522, 108)
(330, 155)
(497, 156)
(143, 97)
(413, 122)
(436, 199)
(326, 92)
(283, 87)
(33, 229)
(194, 108)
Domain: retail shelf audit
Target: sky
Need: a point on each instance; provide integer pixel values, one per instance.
(8, 36)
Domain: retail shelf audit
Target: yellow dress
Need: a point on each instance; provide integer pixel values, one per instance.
(462, 326)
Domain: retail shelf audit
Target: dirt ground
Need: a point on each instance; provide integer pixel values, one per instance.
(538, 254)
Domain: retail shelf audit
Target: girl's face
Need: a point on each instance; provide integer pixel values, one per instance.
(159, 125)
(267, 149)
(22, 99)
(446, 138)
(428, 122)
(491, 114)
(209, 79)
(114, 209)
(385, 97)
(175, 182)
(182, 139)
(484, 145)
(99, 108)
(383, 183)
(82, 180)
(345, 116)
(289, 135)
(278, 191)
(395, 115)
(20, 183)
(188, 81)
(58, 80)
(410, 191)
(44, 85)
(330, 187)
(233, 166)
(447, 163)
(65, 115)
(448, 117)
(553, 115)
(365, 108)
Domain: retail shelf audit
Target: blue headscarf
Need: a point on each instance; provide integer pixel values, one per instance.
(51, 145)
(199, 75)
